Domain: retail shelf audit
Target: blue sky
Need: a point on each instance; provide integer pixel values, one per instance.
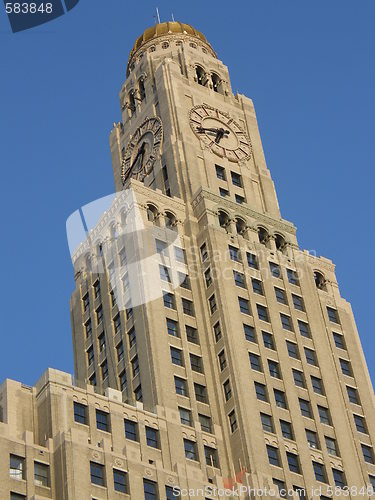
(308, 66)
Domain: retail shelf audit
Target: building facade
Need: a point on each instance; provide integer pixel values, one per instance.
(238, 365)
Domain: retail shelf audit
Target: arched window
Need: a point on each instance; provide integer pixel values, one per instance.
(165, 45)
(193, 45)
(113, 231)
(204, 50)
(240, 225)
(170, 221)
(216, 83)
(320, 281)
(131, 103)
(263, 235)
(141, 89)
(152, 213)
(223, 219)
(201, 76)
(280, 242)
(152, 48)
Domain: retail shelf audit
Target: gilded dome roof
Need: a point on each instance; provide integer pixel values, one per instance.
(165, 29)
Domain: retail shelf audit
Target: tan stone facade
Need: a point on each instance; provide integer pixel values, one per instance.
(251, 369)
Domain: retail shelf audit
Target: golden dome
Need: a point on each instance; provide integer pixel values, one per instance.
(165, 29)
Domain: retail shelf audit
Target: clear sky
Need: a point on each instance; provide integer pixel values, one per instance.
(308, 66)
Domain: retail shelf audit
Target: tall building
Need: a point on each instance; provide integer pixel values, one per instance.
(238, 365)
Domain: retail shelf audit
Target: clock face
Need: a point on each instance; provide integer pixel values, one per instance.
(143, 149)
(220, 133)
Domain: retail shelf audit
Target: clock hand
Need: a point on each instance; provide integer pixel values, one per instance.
(220, 134)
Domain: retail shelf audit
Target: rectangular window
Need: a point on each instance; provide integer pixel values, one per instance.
(267, 423)
(96, 287)
(368, 453)
(164, 273)
(120, 351)
(281, 487)
(310, 356)
(190, 449)
(132, 337)
(184, 280)
(192, 334)
(206, 424)
(102, 421)
(227, 390)
(41, 474)
(16, 496)
(293, 463)
(280, 295)
(200, 393)
(92, 379)
(239, 279)
(339, 340)
(179, 254)
(268, 340)
(234, 253)
(239, 199)
(261, 391)
(232, 420)
(252, 260)
(299, 378)
(304, 329)
(176, 356)
(211, 456)
(161, 247)
(80, 413)
(172, 493)
(102, 343)
(187, 307)
(292, 349)
(292, 277)
(249, 333)
(263, 313)
(150, 490)
(360, 424)
(208, 278)
(317, 385)
(135, 366)
(312, 439)
(16, 467)
(88, 328)
(331, 446)
(305, 408)
(212, 304)
(286, 322)
(123, 380)
(204, 254)
(353, 395)
(120, 481)
(223, 192)
(236, 179)
(274, 369)
(222, 360)
(244, 305)
(138, 393)
(298, 302)
(346, 367)
(131, 430)
(257, 286)
(152, 437)
(286, 429)
(180, 386)
(333, 315)
(97, 474)
(169, 300)
(280, 399)
(185, 416)
(99, 315)
(196, 363)
(324, 415)
(220, 172)
(86, 302)
(320, 472)
(372, 481)
(117, 323)
(275, 270)
(255, 362)
(339, 478)
(273, 455)
(172, 328)
(217, 331)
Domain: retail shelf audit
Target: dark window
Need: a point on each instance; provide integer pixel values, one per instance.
(281, 487)
(236, 179)
(286, 429)
(268, 340)
(339, 340)
(122, 378)
(273, 455)
(220, 172)
(120, 481)
(92, 379)
(88, 328)
(138, 393)
(131, 430)
(176, 356)
(261, 391)
(331, 446)
(252, 260)
(200, 393)
(102, 421)
(249, 333)
(179, 254)
(360, 424)
(16, 496)
(324, 415)
(372, 481)
(217, 331)
(211, 456)
(275, 270)
(339, 478)
(120, 351)
(223, 192)
(132, 337)
(305, 408)
(152, 437)
(292, 349)
(80, 413)
(232, 420)
(312, 439)
(299, 378)
(255, 362)
(172, 493)
(190, 449)
(274, 369)
(286, 322)
(208, 277)
(102, 343)
(212, 304)
(196, 363)
(96, 286)
(320, 472)
(280, 399)
(368, 454)
(244, 305)
(263, 313)
(164, 273)
(257, 286)
(150, 490)
(86, 302)
(184, 280)
(298, 302)
(181, 387)
(239, 279)
(280, 295)
(17, 467)
(99, 315)
(234, 253)
(222, 360)
(205, 422)
(97, 474)
(192, 334)
(135, 366)
(267, 423)
(117, 323)
(304, 329)
(239, 199)
(227, 390)
(203, 250)
(185, 416)
(169, 300)
(345, 367)
(187, 307)
(292, 277)
(332, 315)
(353, 395)
(172, 328)
(317, 385)
(41, 474)
(293, 462)
(310, 356)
